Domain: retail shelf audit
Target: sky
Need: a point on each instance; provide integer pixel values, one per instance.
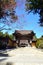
(25, 21)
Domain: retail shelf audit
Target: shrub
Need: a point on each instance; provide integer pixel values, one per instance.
(39, 43)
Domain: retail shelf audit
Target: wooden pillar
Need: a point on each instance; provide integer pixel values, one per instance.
(18, 42)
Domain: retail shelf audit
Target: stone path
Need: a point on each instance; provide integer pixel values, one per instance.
(23, 56)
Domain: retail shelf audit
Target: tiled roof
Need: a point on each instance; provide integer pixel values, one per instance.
(23, 32)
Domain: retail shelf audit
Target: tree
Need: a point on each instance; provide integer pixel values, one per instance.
(1, 33)
(35, 6)
(39, 43)
(6, 34)
(2, 28)
(7, 7)
(7, 10)
(11, 37)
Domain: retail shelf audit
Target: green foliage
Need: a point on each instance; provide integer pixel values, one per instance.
(1, 33)
(6, 34)
(36, 6)
(39, 43)
(11, 36)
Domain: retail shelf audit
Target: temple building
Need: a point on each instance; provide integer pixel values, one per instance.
(24, 37)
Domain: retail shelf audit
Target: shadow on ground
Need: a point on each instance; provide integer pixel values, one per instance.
(3, 55)
(2, 59)
(9, 63)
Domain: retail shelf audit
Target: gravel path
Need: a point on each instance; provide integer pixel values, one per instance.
(23, 56)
